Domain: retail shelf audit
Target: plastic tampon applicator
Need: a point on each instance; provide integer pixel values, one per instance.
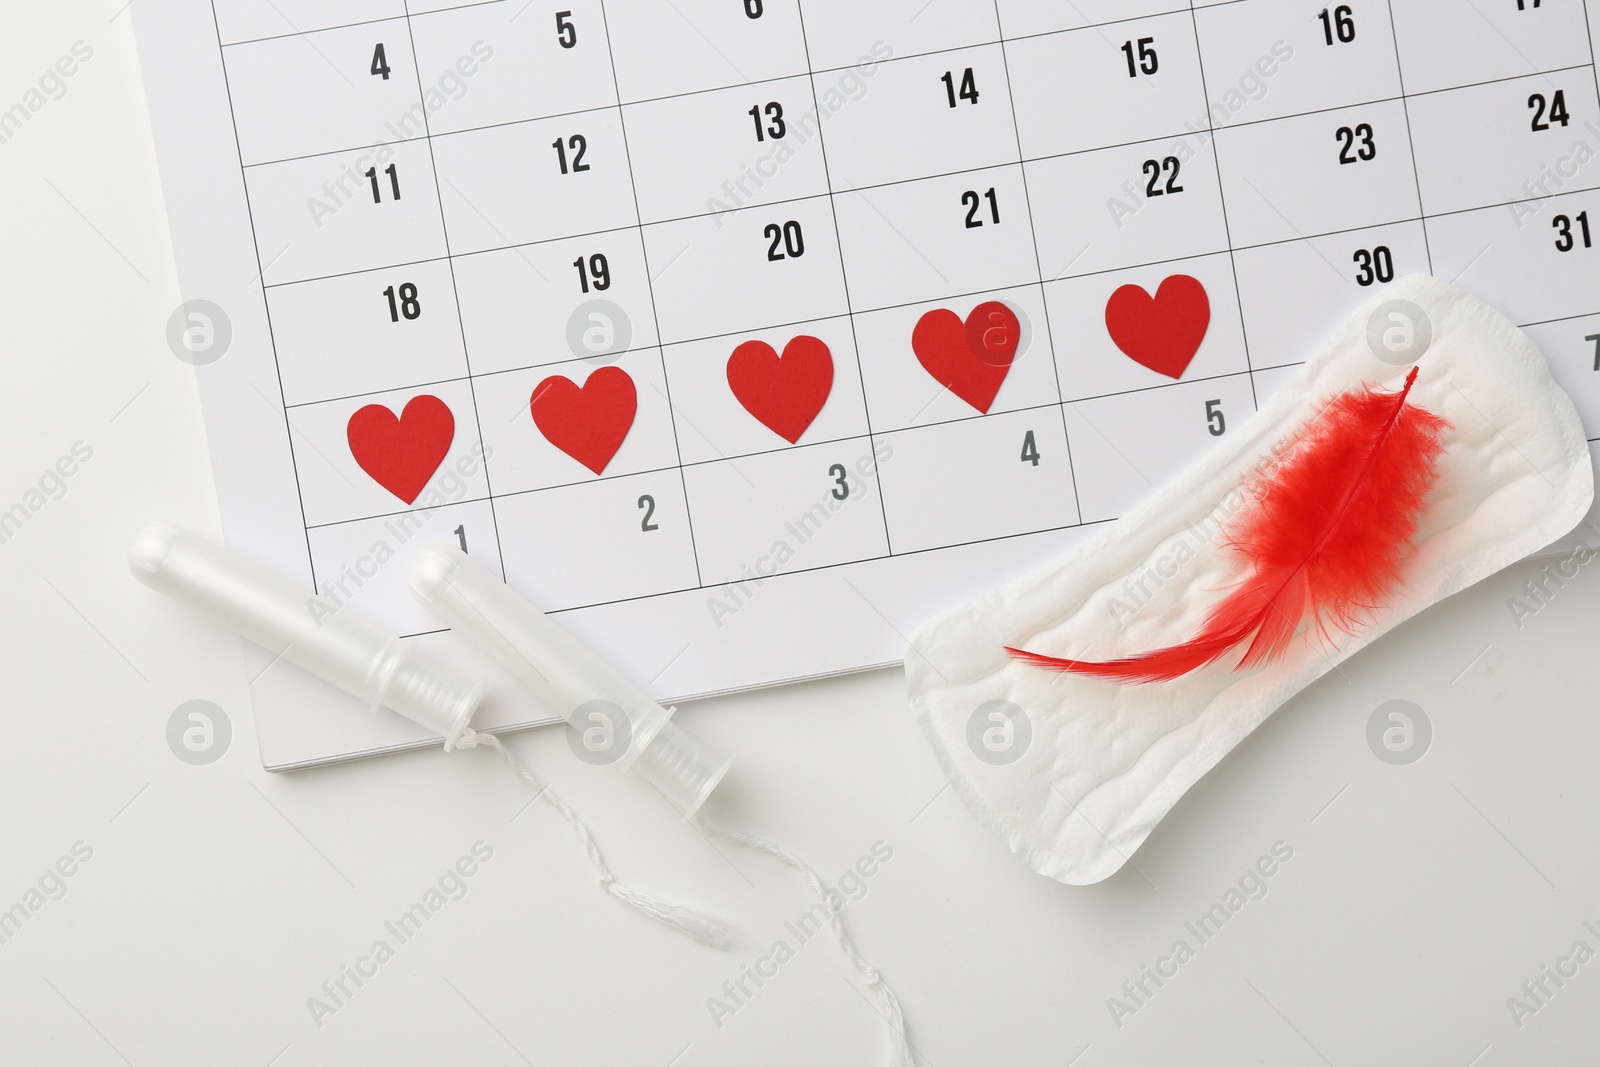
(337, 646)
(364, 661)
(564, 675)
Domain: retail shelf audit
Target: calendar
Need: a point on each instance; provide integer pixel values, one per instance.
(743, 335)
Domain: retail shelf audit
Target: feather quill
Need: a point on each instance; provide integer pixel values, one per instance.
(1328, 533)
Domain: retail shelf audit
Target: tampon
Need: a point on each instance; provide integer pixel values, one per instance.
(564, 675)
(306, 630)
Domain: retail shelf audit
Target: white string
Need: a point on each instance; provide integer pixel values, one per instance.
(889, 1004)
(704, 928)
(697, 924)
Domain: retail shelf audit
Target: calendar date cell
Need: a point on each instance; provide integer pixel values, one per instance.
(746, 270)
(489, 64)
(783, 512)
(1528, 137)
(671, 49)
(1318, 173)
(1140, 203)
(755, 144)
(345, 212)
(816, 397)
(1295, 293)
(535, 181)
(580, 298)
(1572, 349)
(1444, 43)
(595, 543)
(920, 364)
(976, 480)
(365, 332)
(917, 117)
(584, 436)
(1084, 89)
(324, 92)
(365, 564)
(1087, 357)
(1535, 260)
(337, 486)
(1118, 462)
(1266, 59)
(936, 237)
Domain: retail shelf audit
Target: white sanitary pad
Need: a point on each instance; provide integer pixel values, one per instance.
(1074, 772)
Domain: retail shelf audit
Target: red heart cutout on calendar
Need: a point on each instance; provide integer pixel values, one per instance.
(785, 393)
(971, 358)
(402, 453)
(587, 422)
(1162, 332)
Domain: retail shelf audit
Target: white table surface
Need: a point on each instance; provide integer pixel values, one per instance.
(219, 898)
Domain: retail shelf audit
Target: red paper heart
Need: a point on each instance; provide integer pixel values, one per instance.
(402, 454)
(784, 393)
(587, 423)
(1162, 333)
(970, 359)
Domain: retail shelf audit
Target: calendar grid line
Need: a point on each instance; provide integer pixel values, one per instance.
(1038, 264)
(1588, 33)
(910, 181)
(1558, 318)
(225, 45)
(466, 354)
(722, 87)
(352, 25)
(786, 201)
(782, 449)
(1411, 144)
(582, 359)
(266, 306)
(1222, 199)
(1061, 397)
(1317, 235)
(644, 252)
(903, 553)
(1177, 134)
(844, 276)
(817, 569)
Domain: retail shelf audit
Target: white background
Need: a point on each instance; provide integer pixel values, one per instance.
(219, 898)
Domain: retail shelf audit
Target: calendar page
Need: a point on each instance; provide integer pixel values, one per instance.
(743, 335)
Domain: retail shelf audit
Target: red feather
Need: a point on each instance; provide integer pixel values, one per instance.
(1327, 535)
